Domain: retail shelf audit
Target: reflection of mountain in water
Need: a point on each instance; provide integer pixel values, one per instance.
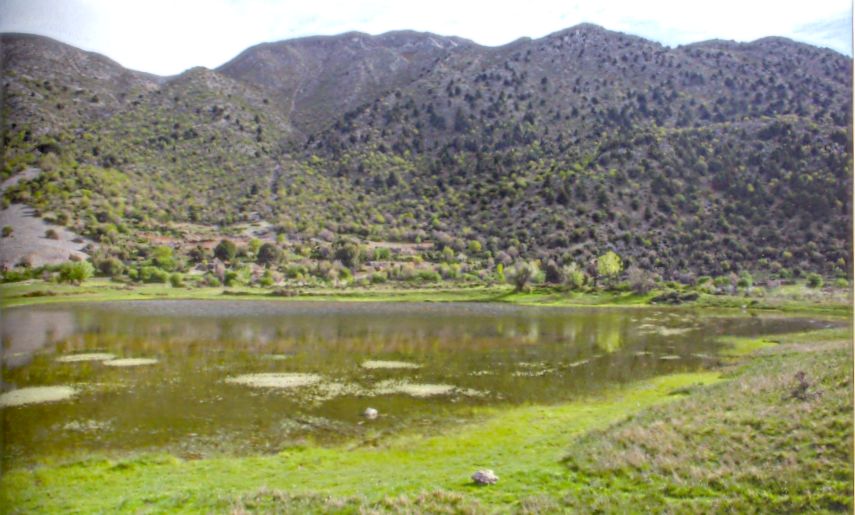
(25, 331)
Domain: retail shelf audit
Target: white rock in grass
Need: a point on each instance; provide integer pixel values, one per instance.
(130, 362)
(91, 356)
(36, 394)
(370, 413)
(485, 477)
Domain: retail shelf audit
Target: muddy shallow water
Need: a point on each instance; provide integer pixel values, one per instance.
(198, 378)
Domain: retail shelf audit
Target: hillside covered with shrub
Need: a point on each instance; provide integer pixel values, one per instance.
(715, 158)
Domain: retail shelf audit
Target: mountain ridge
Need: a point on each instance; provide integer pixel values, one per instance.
(556, 148)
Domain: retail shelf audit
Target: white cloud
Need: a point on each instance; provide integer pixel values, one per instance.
(168, 36)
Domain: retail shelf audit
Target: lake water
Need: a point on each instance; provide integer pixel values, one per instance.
(182, 376)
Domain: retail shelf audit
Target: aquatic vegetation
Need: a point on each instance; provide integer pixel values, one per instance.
(131, 362)
(413, 389)
(36, 395)
(275, 357)
(90, 356)
(275, 380)
(85, 426)
(382, 364)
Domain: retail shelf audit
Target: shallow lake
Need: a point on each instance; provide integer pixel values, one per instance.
(199, 378)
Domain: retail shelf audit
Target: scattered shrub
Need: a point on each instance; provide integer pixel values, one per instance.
(814, 280)
(75, 272)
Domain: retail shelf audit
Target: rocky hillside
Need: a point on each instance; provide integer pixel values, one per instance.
(708, 158)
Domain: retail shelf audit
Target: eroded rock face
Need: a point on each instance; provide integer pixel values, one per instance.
(485, 477)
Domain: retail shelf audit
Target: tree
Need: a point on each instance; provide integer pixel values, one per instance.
(268, 254)
(554, 273)
(522, 274)
(75, 272)
(226, 250)
(162, 257)
(641, 281)
(609, 266)
(348, 253)
(574, 277)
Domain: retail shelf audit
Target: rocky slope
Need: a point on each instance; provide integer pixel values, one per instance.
(707, 158)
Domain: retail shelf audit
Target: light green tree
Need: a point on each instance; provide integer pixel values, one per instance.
(609, 266)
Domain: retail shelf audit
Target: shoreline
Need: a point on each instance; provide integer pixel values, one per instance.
(35, 292)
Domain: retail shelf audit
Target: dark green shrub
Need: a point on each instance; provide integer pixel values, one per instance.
(268, 254)
(7, 231)
(231, 278)
(226, 250)
(814, 280)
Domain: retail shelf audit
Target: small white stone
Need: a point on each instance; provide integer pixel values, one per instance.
(370, 413)
(485, 477)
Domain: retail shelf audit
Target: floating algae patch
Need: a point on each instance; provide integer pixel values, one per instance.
(275, 380)
(91, 356)
(275, 357)
(413, 389)
(381, 364)
(130, 362)
(36, 395)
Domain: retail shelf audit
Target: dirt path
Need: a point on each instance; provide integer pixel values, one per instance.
(28, 241)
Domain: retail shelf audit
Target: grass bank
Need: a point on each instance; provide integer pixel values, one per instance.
(786, 299)
(752, 437)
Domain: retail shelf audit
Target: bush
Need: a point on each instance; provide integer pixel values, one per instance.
(428, 276)
(554, 273)
(379, 277)
(111, 267)
(226, 250)
(266, 280)
(153, 274)
(745, 280)
(75, 272)
(640, 281)
(814, 280)
(231, 278)
(176, 280)
(163, 257)
(841, 283)
(522, 274)
(349, 253)
(7, 231)
(51, 234)
(268, 254)
(574, 277)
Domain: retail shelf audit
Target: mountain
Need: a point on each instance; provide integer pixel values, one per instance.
(315, 79)
(708, 158)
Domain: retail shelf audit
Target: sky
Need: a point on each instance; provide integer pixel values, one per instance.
(166, 37)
